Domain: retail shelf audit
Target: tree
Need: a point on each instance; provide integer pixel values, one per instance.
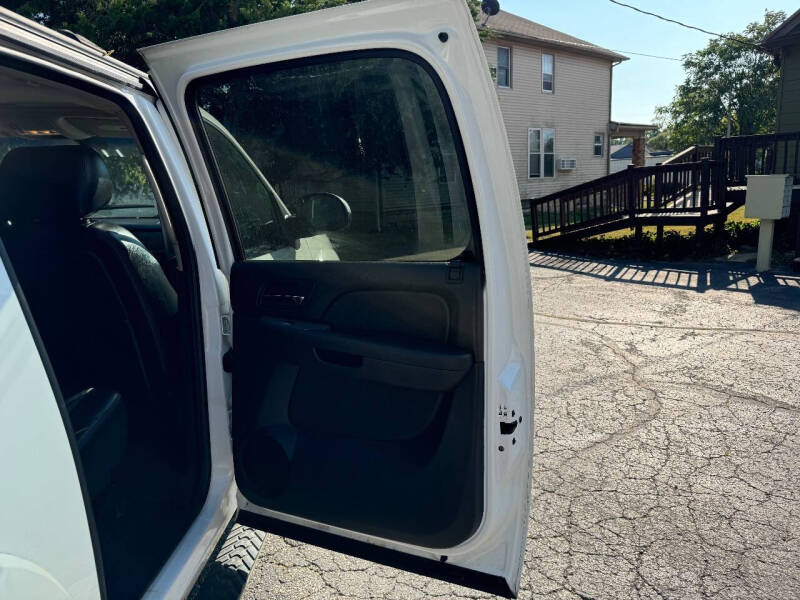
(122, 26)
(659, 140)
(727, 83)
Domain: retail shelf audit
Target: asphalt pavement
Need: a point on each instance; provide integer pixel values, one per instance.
(667, 455)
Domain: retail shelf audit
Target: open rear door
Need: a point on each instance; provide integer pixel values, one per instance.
(358, 182)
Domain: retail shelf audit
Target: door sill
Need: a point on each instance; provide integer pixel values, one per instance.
(492, 584)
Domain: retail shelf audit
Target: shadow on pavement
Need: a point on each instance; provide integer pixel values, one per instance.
(774, 288)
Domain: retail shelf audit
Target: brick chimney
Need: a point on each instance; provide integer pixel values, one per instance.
(639, 151)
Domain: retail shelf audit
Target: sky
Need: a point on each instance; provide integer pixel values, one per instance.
(641, 83)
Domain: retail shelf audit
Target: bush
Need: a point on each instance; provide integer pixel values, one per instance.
(737, 236)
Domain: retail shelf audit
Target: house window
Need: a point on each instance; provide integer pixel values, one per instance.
(503, 67)
(548, 64)
(598, 144)
(541, 152)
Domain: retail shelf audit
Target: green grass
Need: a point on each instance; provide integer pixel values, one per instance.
(679, 242)
(526, 215)
(736, 216)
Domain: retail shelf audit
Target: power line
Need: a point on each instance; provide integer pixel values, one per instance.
(649, 55)
(706, 31)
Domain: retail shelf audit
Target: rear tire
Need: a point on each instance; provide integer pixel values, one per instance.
(224, 576)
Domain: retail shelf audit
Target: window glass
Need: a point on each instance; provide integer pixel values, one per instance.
(252, 203)
(504, 67)
(541, 152)
(352, 159)
(132, 197)
(534, 153)
(548, 146)
(598, 144)
(547, 72)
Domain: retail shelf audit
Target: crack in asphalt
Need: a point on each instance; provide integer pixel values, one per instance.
(664, 326)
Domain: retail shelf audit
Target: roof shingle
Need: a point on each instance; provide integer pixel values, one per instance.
(510, 24)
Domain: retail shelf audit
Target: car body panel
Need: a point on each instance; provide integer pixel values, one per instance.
(38, 41)
(46, 548)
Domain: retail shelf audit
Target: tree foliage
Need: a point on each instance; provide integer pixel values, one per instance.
(726, 80)
(122, 26)
(660, 141)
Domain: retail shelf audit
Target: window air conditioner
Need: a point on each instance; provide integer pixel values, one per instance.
(567, 164)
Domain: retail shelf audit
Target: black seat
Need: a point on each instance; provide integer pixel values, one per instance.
(102, 304)
(99, 421)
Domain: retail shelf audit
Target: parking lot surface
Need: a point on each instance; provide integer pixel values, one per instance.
(667, 455)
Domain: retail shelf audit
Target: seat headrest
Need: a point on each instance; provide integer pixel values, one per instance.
(48, 183)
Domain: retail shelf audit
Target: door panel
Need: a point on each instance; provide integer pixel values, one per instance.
(369, 414)
(386, 398)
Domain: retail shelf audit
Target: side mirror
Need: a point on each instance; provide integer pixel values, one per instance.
(324, 212)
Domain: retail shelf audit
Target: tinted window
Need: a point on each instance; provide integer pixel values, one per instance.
(372, 131)
(133, 197)
(253, 206)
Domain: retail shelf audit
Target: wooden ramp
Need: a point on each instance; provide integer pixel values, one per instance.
(688, 193)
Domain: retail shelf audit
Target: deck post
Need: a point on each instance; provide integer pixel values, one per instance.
(700, 236)
(705, 187)
(631, 194)
(658, 192)
(720, 173)
(534, 221)
(660, 240)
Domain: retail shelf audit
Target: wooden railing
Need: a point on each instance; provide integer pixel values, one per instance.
(691, 154)
(601, 199)
(676, 188)
(688, 185)
(759, 155)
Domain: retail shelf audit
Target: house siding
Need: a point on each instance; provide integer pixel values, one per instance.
(789, 93)
(578, 108)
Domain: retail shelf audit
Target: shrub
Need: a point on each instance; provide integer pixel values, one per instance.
(676, 245)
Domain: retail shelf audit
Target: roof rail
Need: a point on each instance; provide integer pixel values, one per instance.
(64, 48)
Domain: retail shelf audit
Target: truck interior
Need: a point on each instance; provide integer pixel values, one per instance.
(112, 293)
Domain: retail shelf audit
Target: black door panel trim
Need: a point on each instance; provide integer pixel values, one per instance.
(363, 405)
(407, 363)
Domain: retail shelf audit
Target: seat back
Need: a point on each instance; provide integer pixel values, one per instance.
(95, 291)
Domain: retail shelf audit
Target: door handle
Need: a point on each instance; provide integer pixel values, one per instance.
(283, 299)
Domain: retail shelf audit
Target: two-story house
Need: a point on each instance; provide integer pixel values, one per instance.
(555, 95)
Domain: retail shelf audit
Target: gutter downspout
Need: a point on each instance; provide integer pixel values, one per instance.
(608, 129)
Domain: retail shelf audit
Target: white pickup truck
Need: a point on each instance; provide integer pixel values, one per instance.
(281, 278)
